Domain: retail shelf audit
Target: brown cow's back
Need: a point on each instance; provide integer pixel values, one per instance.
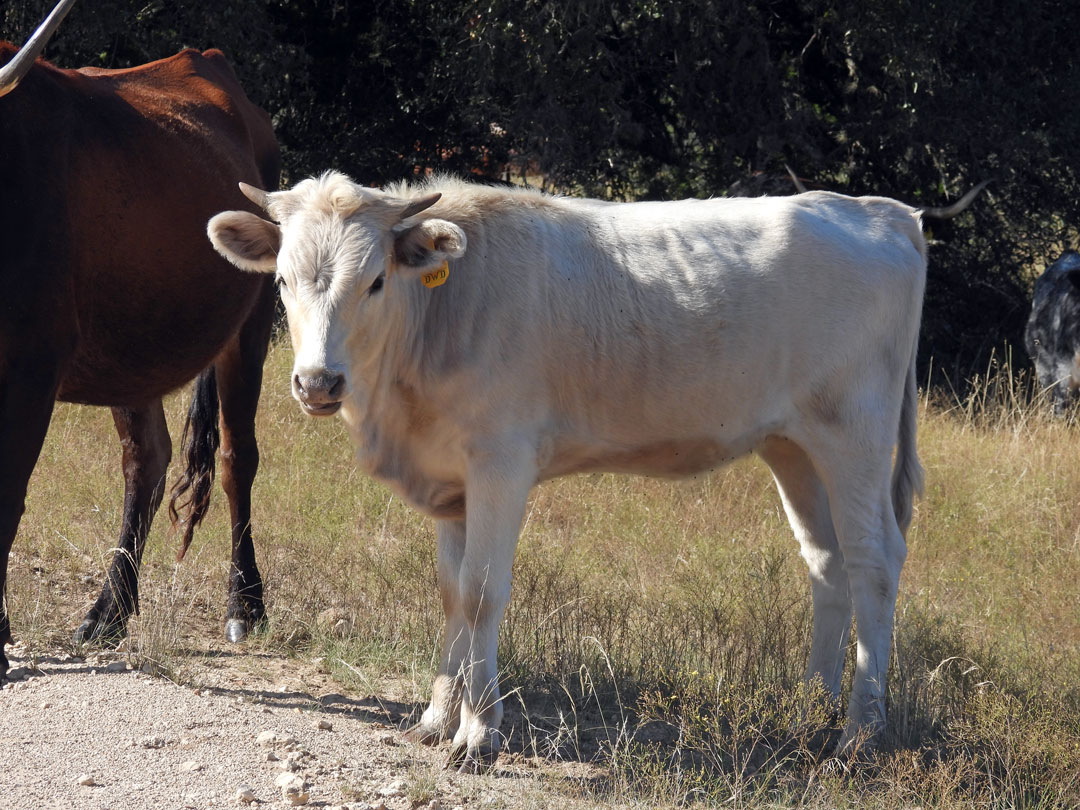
(127, 166)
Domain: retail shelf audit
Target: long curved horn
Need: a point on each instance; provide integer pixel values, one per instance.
(957, 207)
(256, 195)
(15, 71)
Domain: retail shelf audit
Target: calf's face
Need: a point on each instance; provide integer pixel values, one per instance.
(1052, 337)
(341, 254)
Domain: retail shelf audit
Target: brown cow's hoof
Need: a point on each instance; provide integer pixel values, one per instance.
(236, 630)
(97, 631)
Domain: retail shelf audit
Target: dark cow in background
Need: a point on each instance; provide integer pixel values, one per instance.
(1052, 336)
(112, 295)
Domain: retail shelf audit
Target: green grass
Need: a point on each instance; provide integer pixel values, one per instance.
(656, 629)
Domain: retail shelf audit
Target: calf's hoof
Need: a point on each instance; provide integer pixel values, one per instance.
(426, 733)
(475, 759)
(858, 742)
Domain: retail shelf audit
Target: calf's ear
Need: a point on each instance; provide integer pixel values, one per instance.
(248, 241)
(426, 245)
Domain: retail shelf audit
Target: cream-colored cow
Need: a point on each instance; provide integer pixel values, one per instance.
(478, 340)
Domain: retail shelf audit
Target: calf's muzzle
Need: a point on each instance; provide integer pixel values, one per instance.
(319, 393)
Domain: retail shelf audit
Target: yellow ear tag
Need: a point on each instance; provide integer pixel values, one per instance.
(437, 277)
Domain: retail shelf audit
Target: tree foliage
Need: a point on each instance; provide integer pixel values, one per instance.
(916, 99)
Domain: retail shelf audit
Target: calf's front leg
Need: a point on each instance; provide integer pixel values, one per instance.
(440, 719)
(496, 489)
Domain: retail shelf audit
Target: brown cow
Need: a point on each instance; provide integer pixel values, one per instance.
(112, 295)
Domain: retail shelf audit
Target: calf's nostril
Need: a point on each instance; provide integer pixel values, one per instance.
(298, 385)
(337, 385)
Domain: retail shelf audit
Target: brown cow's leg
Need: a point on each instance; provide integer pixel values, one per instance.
(27, 393)
(239, 378)
(144, 437)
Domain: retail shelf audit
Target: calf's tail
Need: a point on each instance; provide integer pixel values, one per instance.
(201, 440)
(908, 477)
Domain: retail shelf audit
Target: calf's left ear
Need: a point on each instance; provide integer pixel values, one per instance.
(248, 241)
(427, 244)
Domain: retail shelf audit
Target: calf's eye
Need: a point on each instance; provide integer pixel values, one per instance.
(376, 285)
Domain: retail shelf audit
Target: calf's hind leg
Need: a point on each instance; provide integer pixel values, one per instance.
(144, 437)
(856, 475)
(806, 504)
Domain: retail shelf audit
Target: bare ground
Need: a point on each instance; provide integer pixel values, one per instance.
(148, 742)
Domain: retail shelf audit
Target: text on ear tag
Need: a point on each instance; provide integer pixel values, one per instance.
(437, 277)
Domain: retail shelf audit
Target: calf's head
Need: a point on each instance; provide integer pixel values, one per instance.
(343, 256)
(1052, 336)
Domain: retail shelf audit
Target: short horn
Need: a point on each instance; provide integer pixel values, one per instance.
(256, 195)
(15, 71)
(795, 179)
(416, 206)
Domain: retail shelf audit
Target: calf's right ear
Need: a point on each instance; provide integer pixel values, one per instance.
(248, 241)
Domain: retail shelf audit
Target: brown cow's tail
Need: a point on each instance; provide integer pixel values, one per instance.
(908, 477)
(201, 441)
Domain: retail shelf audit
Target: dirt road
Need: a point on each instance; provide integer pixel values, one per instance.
(138, 742)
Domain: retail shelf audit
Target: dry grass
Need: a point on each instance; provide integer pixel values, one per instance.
(657, 629)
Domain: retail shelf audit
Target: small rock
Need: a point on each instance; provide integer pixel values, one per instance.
(285, 779)
(244, 795)
(392, 791)
(323, 724)
(271, 756)
(152, 742)
(191, 766)
(434, 804)
(117, 666)
(288, 741)
(46, 705)
(295, 796)
(388, 739)
(381, 806)
(293, 789)
(86, 779)
(267, 739)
